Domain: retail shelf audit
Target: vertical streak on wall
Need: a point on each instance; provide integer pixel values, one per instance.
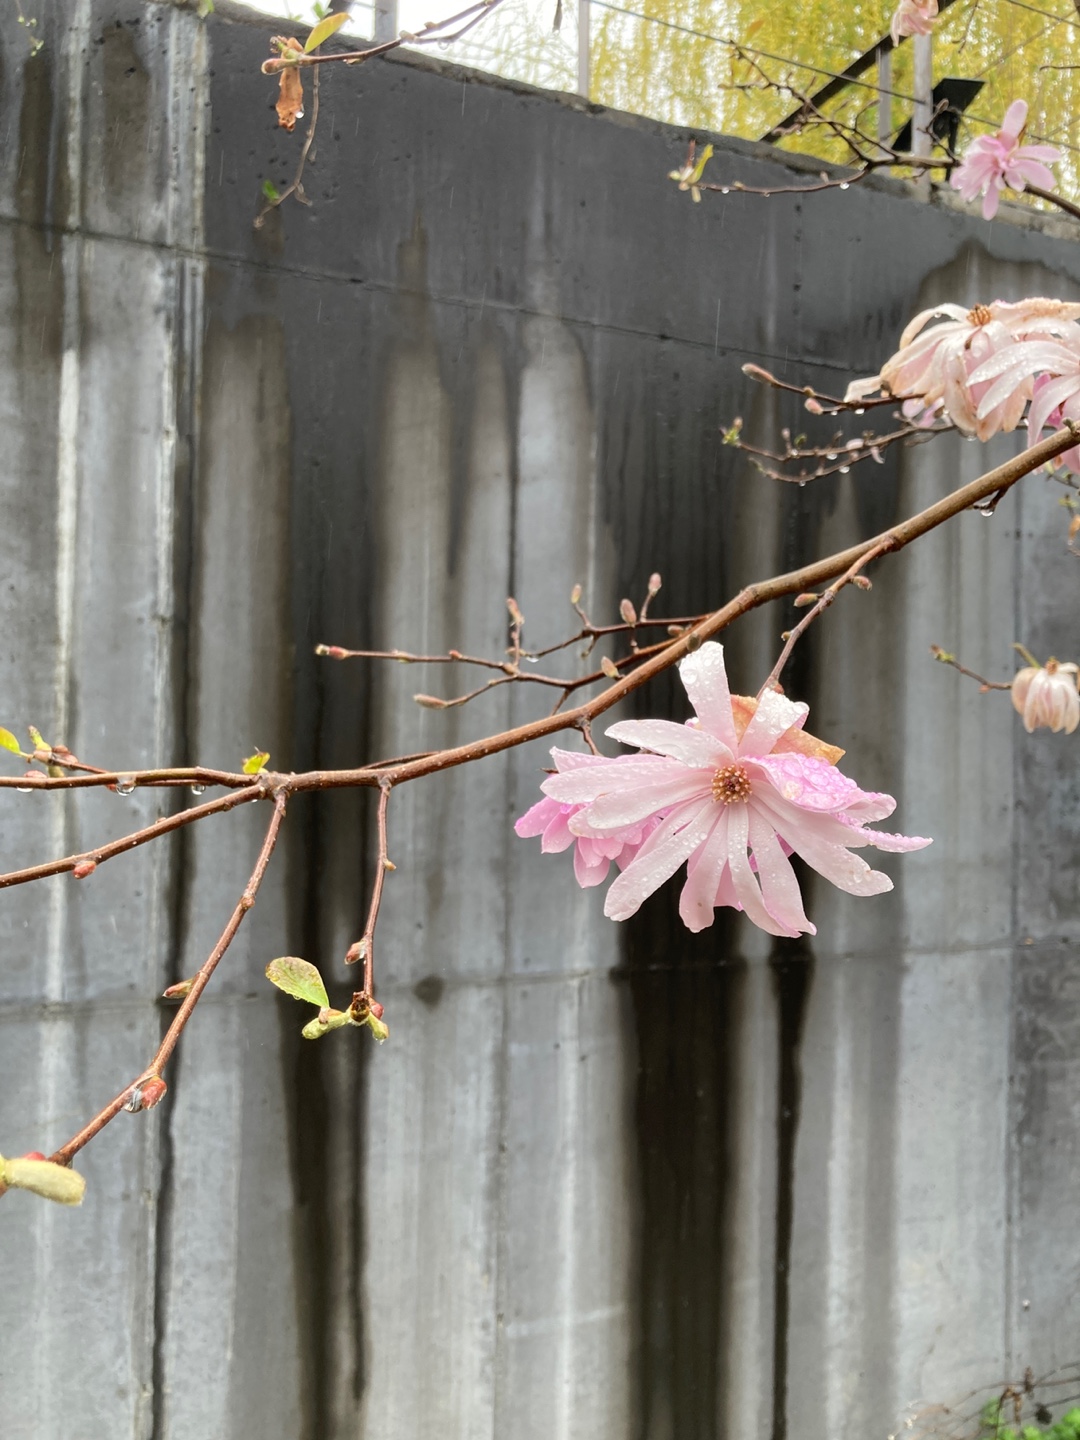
(55, 1070)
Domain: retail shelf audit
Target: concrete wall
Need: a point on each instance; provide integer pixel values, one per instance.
(608, 1183)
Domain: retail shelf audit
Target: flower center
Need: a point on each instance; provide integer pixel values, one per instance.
(979, 315)
(731, 784)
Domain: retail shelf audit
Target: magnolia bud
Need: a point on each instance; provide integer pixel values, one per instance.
(178, 991)
(808, 597)
(609, 668)
(627, 611)
(654, 584)
(84, 868)
(862, 582)
(146, 1094)
(1046, 697)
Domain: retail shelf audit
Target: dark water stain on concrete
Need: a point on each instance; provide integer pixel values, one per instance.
(686, 994)
(792, 968)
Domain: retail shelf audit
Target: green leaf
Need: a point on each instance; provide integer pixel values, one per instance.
(204, 8)
(323, 30)
(53, 1182)
(270, 190)
(254, 763)
(699, 168)
(8, 741)
(298, 978)
(36, 738)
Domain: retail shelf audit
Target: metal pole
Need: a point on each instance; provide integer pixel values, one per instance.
(386, 21)
(583, 48)
(884, 103)
(924, 91)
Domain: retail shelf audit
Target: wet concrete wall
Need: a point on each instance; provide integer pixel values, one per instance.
(619, 1183)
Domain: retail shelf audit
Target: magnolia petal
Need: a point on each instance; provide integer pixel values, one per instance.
(628, 807)
(663, 852)
(746, 885)
(779, 887)
(557, 835)
(705, 677)
(589, 871)
(624, 772)
(954, 312)
(774, 715)
(697, 903)
(536, 819)
(677, 742)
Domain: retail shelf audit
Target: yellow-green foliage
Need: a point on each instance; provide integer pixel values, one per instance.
(658, 70)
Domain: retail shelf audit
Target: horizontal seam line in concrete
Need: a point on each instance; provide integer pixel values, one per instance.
(384, 287)
(392, 986)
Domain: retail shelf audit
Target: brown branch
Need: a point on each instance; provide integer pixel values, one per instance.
(137, 837)
(193, 776)
(66, 1152)
(1058, 200)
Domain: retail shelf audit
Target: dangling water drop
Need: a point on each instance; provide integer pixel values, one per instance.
(860, 411)
(125, 784)
(724, 190)
(831, 455)
(198, 789)
(988, 509)
(845, 469)
(844, 184)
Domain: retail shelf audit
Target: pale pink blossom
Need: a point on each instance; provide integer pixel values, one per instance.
(1046, 697)
(935, 366)
(593, 854)
(1050, 369)
(994, 162)
(913, 17)
(733, 801)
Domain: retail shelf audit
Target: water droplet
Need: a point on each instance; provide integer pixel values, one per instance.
(844, 184)
(724, 190)
(444, 44)
(801, 484)
(198, 789)
(831, 455)
(860, 411)
(845, 469)
(987, 509)
(125, 784)
(24, 789)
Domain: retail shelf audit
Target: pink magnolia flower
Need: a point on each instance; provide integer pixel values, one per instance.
(993, 162)
(942, 366)
(731, 801)
(913, 17)
(1047, 697)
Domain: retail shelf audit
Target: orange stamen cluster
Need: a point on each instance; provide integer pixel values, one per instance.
(979, 315)
(731, 785)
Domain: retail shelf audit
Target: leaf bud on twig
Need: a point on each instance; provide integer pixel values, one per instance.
(655, 583)
(84, 868)
(808, 597)
(610, 669)
(575, 595)
(863, 582)
(179, 991)
(356, 951)
(430, 702)
(627, 611)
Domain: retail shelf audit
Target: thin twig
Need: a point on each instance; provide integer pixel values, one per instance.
(138, 837)
(984, 684)
(296, 187)
(849, 576)
(66, 1152)
(364, 949)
